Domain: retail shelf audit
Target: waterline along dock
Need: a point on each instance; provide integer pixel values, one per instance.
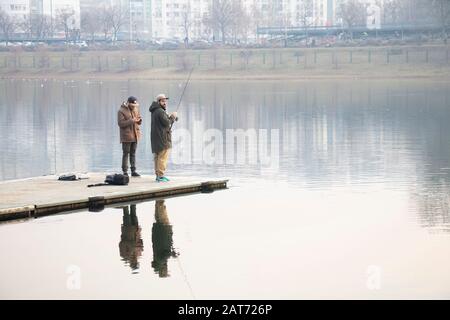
(46, 195)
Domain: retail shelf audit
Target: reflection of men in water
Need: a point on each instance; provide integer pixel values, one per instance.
(162, 240)
(131, 244)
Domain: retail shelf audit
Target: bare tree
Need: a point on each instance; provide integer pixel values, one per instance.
(411, 12)
(393, 11)
(286, 23)
(397, 12)
(41, 27)
(186, 23)
(205, 26)
(26, 26)
(240, 23)
(117, 17)
(441, 10)
(221, 16)
(417, 11)
(273, 14)
(7, 26)
(90, 24)
(353, 13)
(105, 22)
(65, 20)
(255, 19)
(305, 16)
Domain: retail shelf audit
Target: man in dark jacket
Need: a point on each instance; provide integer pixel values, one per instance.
(161, 135)
(129, 121)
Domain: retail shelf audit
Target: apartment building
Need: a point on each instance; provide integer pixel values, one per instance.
(180, 18)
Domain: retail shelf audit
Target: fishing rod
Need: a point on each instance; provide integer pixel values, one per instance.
(182, 94)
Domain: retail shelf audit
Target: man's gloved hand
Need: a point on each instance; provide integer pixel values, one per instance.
(174, 116)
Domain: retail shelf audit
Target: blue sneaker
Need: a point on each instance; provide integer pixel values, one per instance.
(164, 179)
(158, 179)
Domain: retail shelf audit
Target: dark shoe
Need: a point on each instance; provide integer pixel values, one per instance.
(135, 174)
(125, 174)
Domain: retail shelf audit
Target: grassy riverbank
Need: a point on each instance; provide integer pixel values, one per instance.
(291, 63)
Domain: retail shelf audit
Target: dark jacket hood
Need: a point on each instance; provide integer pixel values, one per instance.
(155, 105)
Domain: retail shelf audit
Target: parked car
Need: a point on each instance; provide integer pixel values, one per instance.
(81, 44)
(200, 44)
(170, 45)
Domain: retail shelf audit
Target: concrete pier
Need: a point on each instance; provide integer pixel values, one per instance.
(40, 196)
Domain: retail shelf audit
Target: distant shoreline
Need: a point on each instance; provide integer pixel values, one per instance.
(305, 75)
(399, 62)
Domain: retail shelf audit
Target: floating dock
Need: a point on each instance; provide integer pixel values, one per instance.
(41, 196)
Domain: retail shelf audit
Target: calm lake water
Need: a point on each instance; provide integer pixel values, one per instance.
(353, 204)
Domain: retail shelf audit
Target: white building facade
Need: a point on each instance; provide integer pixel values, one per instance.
(17, 9)
(178, 19)
(140, 15)
(22, 9)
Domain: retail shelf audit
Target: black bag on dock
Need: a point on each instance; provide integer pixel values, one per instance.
(117, 179)
(68, 177)
(71, 177)
(113, 179)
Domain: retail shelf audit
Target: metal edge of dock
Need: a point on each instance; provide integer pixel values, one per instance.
(35, 211)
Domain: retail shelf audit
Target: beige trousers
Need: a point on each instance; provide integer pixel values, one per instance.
(161, 159)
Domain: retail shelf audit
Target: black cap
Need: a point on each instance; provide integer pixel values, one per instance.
(132, 99)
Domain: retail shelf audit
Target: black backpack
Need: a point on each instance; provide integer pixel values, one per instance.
(68, 177)
(117, 179)
(113, 179)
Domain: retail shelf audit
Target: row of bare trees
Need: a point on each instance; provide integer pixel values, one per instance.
(227, 19)
(401, 12)
(107, 20)
(441, 10)
(38, 26)
(398, 12)
(7, 25)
